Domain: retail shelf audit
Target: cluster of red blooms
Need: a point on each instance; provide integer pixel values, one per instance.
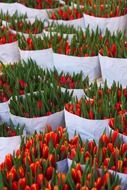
(66, 13)
(6, 36)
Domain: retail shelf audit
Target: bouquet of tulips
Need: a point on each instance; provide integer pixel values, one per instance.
(93, 114)
(14, 81)
(75, 56)
(22, 174)
(107, 154)
(40, 103)
(93, 179)
(36, 159)
(75, 179)
(34, 166)
(34, 43)
(102, 90)
(80, 44)
(52, 146)
(67, 16)
(26, 26)
(66, 13)
(19, 79)
(38, 109)
(113, 55)
(105, 9)
(115, 46)
(38, 49)
(98, 108)
(103, 14)
(75, 81)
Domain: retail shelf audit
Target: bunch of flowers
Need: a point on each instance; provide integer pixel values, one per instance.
(82, 45)
(98, 108)
(17, 173)
(104, 90)
(115, 46)
(51, 145)
(33, 166)
(13, 79)
(90, 178)
(40, 103)
(75, 81)
(25, 26)
(66, 13)
(106, 8)
(34, 43)
(110, 153)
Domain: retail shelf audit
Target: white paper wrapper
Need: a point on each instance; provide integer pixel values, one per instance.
(69, 64)
(9, 53)
(79, 93)
(40, 123)
(113, 69)
(69, 161)
(86, 128)
(4, 112)
(113, 24)
(76, 23)
(8, 145)
(62, 166)
(43, 58)
(11, 8)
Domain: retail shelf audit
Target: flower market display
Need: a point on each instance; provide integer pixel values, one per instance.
(63, 95)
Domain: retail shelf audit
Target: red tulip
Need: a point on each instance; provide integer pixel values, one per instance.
(22, 183)
(34, 187)
(49, 172)
(40, 179)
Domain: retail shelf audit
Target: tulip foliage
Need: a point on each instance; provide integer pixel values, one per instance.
(39, 103)
(34, 165)
(25, 26)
